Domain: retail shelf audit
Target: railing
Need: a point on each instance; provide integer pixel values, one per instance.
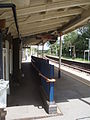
(46, 72)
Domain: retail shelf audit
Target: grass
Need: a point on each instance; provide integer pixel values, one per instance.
(69, 58)
(76, 59)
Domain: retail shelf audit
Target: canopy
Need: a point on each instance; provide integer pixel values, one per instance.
(37, 19)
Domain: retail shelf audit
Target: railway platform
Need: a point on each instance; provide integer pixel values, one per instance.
(22, 25)
(71, 96)
(79, 75)
(25, 100)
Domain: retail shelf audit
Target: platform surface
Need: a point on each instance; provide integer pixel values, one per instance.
(72, 94)
(25, 100)
(72, 98)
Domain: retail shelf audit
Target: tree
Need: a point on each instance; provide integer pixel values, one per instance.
(75, 39)
(54, 48)
(78, 39)
(69, 42)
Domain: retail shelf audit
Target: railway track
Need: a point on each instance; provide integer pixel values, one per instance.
(84, 67)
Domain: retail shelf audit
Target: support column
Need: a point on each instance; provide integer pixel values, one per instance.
(7, 59)
(16, 60)
(56, 50)
(31, 51)
(37, 50)
(42, 50)
(20, 56)
(2, 25)
(89, 49)
(84, 55)
(1, 60)
(60, 54)
(88, 55)
(51, 94)
(7, 63)
(11, 60)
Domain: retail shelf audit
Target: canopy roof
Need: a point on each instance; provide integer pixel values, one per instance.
(45, 16)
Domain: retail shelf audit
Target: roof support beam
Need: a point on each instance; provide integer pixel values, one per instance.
(78, 21)
(38, 30)
(30, 40)
(27, 26)
(47, 7)
(47, 16)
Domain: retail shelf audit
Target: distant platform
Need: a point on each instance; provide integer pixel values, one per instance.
(57, 58)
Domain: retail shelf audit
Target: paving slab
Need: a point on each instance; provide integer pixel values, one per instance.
(25, 101)
(71, 95)
(72, 98)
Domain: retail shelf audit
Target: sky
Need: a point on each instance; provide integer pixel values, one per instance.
(40, 46)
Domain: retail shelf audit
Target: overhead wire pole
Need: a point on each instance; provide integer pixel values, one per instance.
(60, 54)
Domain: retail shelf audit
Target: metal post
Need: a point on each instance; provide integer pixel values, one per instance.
(42, 50)
(89, 49)
(37, 50)
(51, 94)
(7, 63)
(60, 53)
(89, 44)
(74, 54)
(11, 60)
(7, 59)
(56, 50)
(70, 51)
(84, 55)
(26, 53)
(16, 60)
(31, 50)
(20, 56)
(1, 61)
(88, 55)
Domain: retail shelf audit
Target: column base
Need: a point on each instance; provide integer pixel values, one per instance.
(2, 114)
(50, 107)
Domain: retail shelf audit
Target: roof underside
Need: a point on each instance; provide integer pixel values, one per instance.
(45, 16)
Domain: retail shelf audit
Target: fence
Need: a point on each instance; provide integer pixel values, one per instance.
(46, 73)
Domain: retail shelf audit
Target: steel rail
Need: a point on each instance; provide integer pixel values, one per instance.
(77, 67)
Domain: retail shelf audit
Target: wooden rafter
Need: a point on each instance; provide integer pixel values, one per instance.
(44, 16)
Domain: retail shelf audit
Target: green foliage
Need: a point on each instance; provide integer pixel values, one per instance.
(53, 48)
(69, 40)
(76, 38)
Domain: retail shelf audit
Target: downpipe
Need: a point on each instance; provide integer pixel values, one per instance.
(13, 6)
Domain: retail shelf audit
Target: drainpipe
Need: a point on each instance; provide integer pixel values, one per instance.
(13, 6)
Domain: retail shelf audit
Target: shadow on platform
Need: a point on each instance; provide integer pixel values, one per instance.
(68, 87)
(28, 92)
